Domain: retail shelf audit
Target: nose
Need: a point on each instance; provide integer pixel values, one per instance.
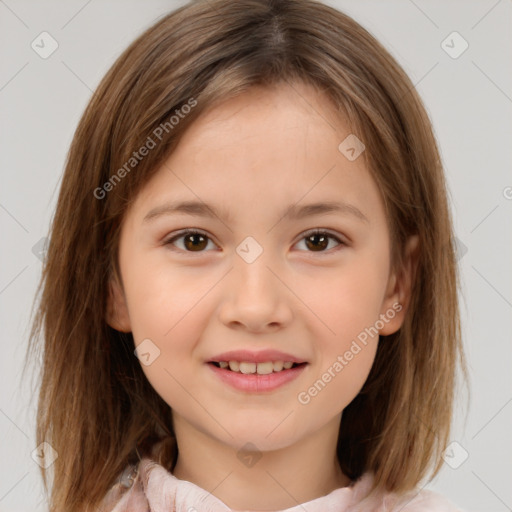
(255, 296)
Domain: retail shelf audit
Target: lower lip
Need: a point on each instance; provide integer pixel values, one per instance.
(255, 383)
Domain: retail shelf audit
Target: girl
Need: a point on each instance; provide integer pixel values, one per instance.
(249, 299)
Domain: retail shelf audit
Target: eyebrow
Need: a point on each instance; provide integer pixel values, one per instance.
(295, 212)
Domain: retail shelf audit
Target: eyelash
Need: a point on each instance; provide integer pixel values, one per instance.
(305, 234)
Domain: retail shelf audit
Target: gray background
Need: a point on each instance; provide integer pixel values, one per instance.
(469, 99)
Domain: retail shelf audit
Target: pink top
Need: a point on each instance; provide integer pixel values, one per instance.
(151, 488)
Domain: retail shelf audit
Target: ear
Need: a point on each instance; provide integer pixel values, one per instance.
(399, 290)
(117, 310)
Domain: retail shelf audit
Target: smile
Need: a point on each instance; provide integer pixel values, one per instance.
(260, 368)
(256, 377)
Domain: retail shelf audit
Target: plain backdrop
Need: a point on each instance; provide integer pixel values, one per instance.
(468, 95)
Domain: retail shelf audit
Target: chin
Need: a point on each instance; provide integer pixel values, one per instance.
(265, 435)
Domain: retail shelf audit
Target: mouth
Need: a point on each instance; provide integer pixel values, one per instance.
(261, 377)
(263, 368)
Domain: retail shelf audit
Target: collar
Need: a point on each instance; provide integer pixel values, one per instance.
(151, 487)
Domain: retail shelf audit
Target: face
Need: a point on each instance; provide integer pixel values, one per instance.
(254, 275)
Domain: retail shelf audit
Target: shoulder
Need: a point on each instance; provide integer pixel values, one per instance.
(126, 494)
(418, 500)
(425, 500)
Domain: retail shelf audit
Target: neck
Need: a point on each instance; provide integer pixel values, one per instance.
(269, 480)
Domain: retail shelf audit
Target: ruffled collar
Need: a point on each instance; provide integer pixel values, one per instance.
(151, 487)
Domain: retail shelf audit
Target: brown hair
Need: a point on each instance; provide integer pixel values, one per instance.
(96, 407)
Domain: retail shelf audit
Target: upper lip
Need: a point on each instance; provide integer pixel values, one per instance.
(261, 356)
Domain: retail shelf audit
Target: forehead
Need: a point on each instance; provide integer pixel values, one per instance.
(297, 107)
(263, 149)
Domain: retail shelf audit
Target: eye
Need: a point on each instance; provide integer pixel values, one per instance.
(193, 240)
(318, 240)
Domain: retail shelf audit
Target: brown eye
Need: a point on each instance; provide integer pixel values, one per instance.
(315, 242)
(197, 241)
(318, 241)
(193, 241)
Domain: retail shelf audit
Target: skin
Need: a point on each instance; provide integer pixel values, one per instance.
(254, 155)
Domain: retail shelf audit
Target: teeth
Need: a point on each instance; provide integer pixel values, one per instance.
(260, 368)
(247, 367)
(278, 366)
(265, 368)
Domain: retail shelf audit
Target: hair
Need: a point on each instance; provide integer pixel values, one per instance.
(95, 406)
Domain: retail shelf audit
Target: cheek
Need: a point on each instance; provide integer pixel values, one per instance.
(348, 302)
(349, 298)
(166, 308)
(336, 385)
(161, 299)
(345, 342)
